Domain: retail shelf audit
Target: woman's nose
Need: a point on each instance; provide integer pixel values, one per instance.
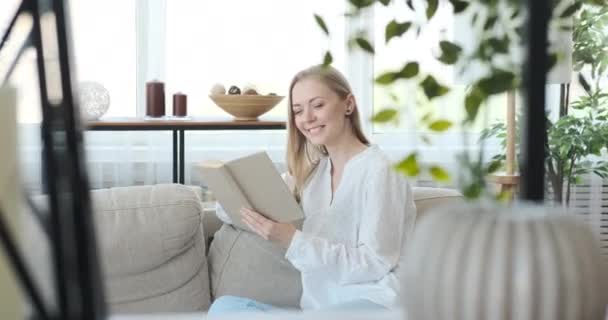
(308, 114)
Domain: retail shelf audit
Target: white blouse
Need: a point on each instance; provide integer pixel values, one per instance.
(350, 246)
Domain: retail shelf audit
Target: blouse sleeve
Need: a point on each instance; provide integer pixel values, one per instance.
(221, 213)
(387, 219)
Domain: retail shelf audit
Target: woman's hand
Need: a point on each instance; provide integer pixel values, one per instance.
(282, 233)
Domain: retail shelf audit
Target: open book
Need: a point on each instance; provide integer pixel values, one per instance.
(251, 182)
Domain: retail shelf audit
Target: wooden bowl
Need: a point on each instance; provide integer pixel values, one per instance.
(245, 107)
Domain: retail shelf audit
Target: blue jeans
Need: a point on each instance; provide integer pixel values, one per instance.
(231, 304)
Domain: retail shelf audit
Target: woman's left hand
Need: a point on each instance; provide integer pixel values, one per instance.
(282, 233)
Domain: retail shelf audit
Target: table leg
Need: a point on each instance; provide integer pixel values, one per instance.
(175, 156)
(182, 147)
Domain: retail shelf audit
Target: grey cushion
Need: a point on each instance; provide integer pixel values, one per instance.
(151, 245)
(152, 248)
(243, 264)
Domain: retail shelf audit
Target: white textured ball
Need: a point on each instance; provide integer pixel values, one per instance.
(480, 261)
(94, 100)
(218, 88)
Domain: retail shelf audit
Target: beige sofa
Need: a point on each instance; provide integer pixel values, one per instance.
(154, 245)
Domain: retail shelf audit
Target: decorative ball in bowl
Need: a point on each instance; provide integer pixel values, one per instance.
(246, 107)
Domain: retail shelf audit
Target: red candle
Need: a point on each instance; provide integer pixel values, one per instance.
(180, 104)
(155, 98)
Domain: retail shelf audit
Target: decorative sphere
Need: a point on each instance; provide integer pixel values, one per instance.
(94, 100)
(234, 90)
(249, 91)
(218, 88)
(482, 261)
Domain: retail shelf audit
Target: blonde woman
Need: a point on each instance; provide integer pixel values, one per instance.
(359, 211)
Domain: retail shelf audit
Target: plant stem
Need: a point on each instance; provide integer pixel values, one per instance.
(553, 178)
(564, 97)
(572, 161)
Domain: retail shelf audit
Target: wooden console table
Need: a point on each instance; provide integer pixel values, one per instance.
(179, 127)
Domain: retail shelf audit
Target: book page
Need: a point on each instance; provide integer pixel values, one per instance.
(225, 190)
(261, 183)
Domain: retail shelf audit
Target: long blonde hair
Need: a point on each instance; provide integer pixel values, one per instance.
(302, 155)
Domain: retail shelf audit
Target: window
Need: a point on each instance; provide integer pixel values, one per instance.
(104, 44)
(259, 43)
(405, 95)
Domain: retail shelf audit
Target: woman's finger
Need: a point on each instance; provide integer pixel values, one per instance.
(259, 226)
(256, 215)
(251, 226)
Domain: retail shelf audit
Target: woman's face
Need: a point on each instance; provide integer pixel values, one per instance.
(319, 113)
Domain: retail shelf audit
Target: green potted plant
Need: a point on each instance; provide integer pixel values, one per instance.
(498, 27)
(580, 130)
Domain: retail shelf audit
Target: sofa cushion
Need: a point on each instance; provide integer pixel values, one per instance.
(243, 264)
(152, 248)
(428, 198)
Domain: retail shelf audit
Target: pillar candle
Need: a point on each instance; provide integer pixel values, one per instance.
(180, 104)
(12, 306)
(155, 99)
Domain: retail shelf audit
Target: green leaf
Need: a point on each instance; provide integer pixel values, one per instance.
(504, 196)
(449, 52)
(499, 81)
(472, 190)
(359, 4)
(459, 6)
(410, 5)
(499, 45)
(409, 166)
(387, 78)
(395, 29)
(385, 115)
(327, 59)
(551, 61)
(432, 8)
(490, 22)
(584, 83)
(365, 45)
(426, 117)
(494, 166)
(410, 70)
(321, 24)
(426, 140)
(472, 102)
(385, 2)
(440, 125)
(432, 88)
(439, 174)
(572, 9)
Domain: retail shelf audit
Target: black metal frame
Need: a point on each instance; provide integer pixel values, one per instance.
(79, 290)
(534, 126)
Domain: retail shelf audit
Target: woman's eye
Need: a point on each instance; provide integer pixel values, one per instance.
(296, 112)
(318, 106)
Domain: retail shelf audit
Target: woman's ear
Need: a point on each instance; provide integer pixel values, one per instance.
(350, 104)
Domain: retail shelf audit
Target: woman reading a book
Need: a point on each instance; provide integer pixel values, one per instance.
(359, 211)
